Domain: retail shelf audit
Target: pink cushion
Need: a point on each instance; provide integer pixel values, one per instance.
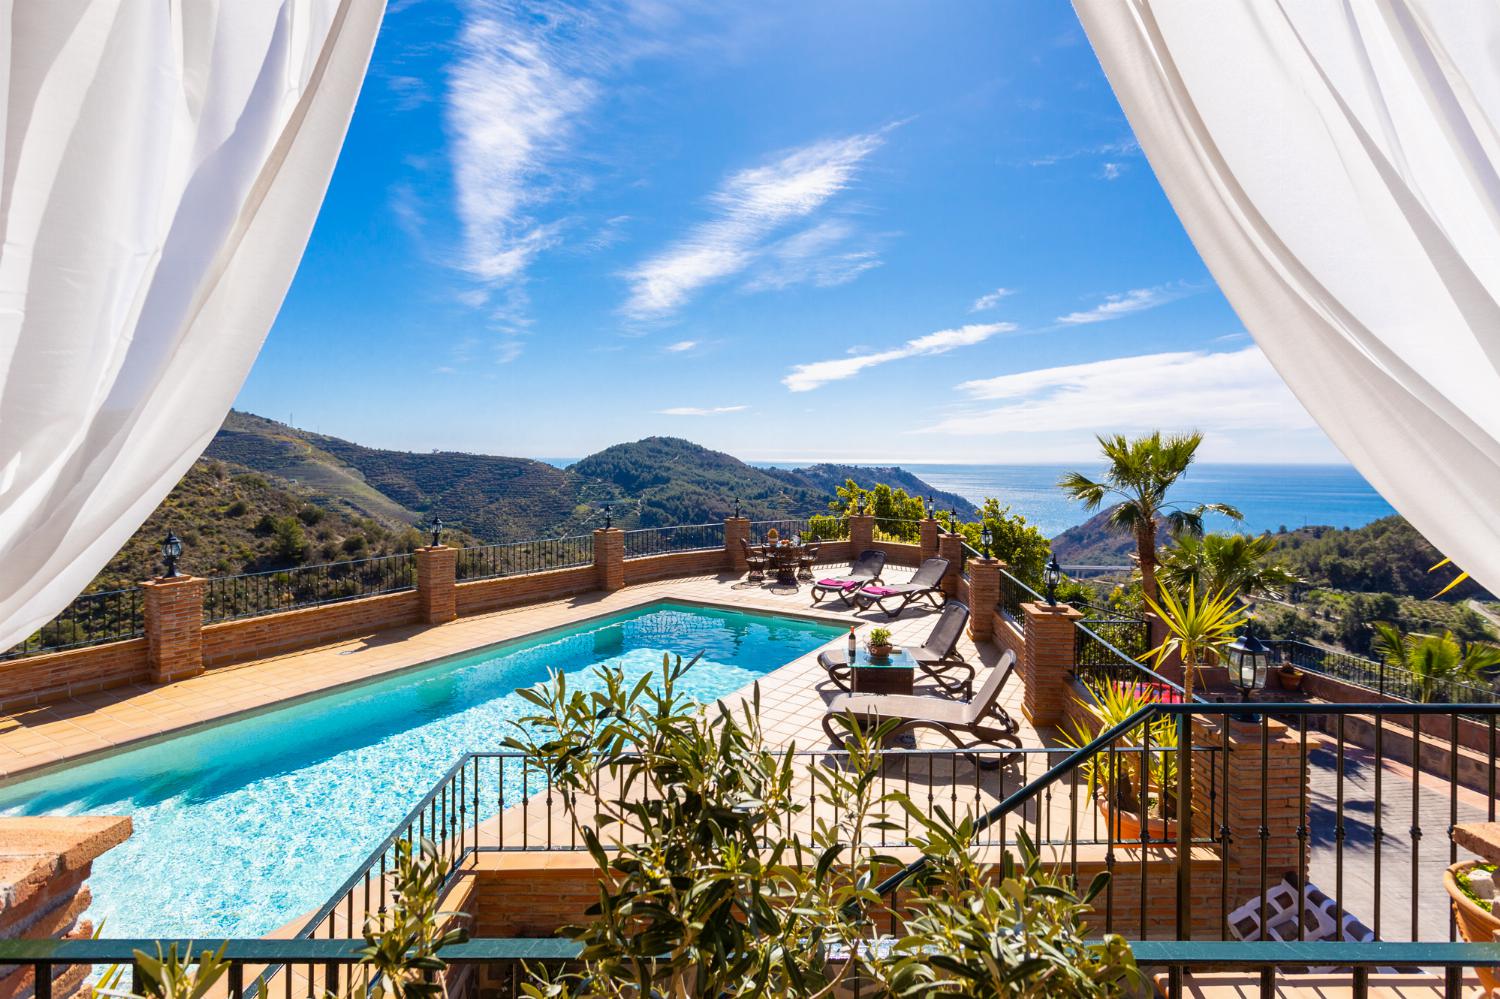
(837, 584)
(878, 591)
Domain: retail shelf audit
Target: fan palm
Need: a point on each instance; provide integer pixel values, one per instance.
(1435, 660)
(1237, 563)
(1140, 473)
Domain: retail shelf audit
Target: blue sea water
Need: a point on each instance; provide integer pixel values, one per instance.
(241, 827)
(1269, 496)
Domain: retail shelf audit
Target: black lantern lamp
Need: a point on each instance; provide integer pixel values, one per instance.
(171, 551)
(437, 532)
(1248, 660)
(952, 521)
(736, 508)
(931, 509)
(986, 538)
(1051, 576)
(609, 517)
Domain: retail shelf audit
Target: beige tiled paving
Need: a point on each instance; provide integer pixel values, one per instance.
(792, 697)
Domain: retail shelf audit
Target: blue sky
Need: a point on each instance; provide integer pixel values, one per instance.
(874, 231)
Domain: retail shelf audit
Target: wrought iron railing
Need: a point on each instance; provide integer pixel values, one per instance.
(1112, 649)
(228, 598)
(787, 527)
(91, 619)
(1014, 593)
(518, 557)
(1381, 677)
(646, 541)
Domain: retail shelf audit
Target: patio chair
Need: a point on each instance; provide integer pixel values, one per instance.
(977, 723)
(808, 559)
(755, 561)
(925, 582)
(937, 657)
(865, 569)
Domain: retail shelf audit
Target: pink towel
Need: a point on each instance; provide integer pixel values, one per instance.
(837, 584)
(878, 591)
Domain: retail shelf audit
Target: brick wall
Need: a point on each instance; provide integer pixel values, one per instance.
(653, 567)
(25, 683)
(485, 595)
(270, 634)
(44, 869)
(897, 552)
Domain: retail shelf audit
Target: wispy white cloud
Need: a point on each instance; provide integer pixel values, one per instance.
(1215, 392)
(1114, 150)
(1111, 170)
(681, 346)
(697, 411)
(747, 208)
(986, 302)
(825, 255)
(805, 377)
(1125, 303)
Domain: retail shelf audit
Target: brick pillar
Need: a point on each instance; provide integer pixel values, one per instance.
(609, 558)
(929, 529)
(437, 568)
(951, 547)
(861, 533)
(984, 593)
(1273, 772)
(1048, 661)
(736, 533)
(43, 884)
(174, 627)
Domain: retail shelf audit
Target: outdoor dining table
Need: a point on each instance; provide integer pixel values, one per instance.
(785, 559)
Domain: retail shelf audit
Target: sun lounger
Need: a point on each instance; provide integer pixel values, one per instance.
(925, 582)
(974, 724)
(866, 569)
(937, 657)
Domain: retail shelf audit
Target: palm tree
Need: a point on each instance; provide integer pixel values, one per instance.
(1140, 473)
(1197, 627)
(1435, 660)
(1237, 563)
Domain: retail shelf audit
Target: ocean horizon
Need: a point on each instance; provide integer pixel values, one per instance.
(1271, 497)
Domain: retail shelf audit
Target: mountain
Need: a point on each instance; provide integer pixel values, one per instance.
(1098, 542)
(1384, 556)
(653, 482)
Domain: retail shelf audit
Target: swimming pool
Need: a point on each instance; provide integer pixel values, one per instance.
(244, 826)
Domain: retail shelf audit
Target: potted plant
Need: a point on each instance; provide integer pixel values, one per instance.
(1128, 800)
(1474, 908)
(1290, 677)
(879, 643)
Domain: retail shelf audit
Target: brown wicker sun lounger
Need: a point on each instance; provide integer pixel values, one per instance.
(937, 657)
(972, 725)
(866, 569)
(925, 582)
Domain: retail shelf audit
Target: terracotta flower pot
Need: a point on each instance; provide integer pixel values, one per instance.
(1124, 826)
(881, 651)
(1291, 679)
(1474, 924)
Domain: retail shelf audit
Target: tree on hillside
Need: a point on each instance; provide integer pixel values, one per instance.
(1235, 563)
(1141, 472)
(1019, 545)
(896, 514)
(1435, 661)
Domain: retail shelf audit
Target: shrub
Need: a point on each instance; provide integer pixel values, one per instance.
(237, 509)
(354, 544)
(290, 541)
(310, 515)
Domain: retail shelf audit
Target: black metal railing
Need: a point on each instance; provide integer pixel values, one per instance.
(1381, 677)
(91, 619)
(1113, 649)
(646, 541)
(519, 557)
(228, 598)
(787, 527)
(1014, 593)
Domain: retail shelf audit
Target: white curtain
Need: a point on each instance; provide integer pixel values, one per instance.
(1337, 166)
(164, 161)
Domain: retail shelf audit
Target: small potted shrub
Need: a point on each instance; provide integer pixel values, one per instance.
(1290, 676)
(880, 643)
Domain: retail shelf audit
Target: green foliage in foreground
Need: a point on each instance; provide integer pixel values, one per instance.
(701, 893)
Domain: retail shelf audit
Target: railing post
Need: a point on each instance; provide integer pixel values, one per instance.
(861, 533)
(1048, 660)
(951, 547)
(437, 572)
(984, 593)
(929, 543)
(174, 627)
(609, 558)
(736, 534)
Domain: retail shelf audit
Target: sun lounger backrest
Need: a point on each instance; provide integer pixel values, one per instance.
(950, 625)
(930, 572)
(985, 698)
(871, 563)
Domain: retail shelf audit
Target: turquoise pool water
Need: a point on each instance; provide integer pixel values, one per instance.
(241, 827)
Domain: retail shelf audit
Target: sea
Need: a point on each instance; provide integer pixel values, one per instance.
(1270, 496)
